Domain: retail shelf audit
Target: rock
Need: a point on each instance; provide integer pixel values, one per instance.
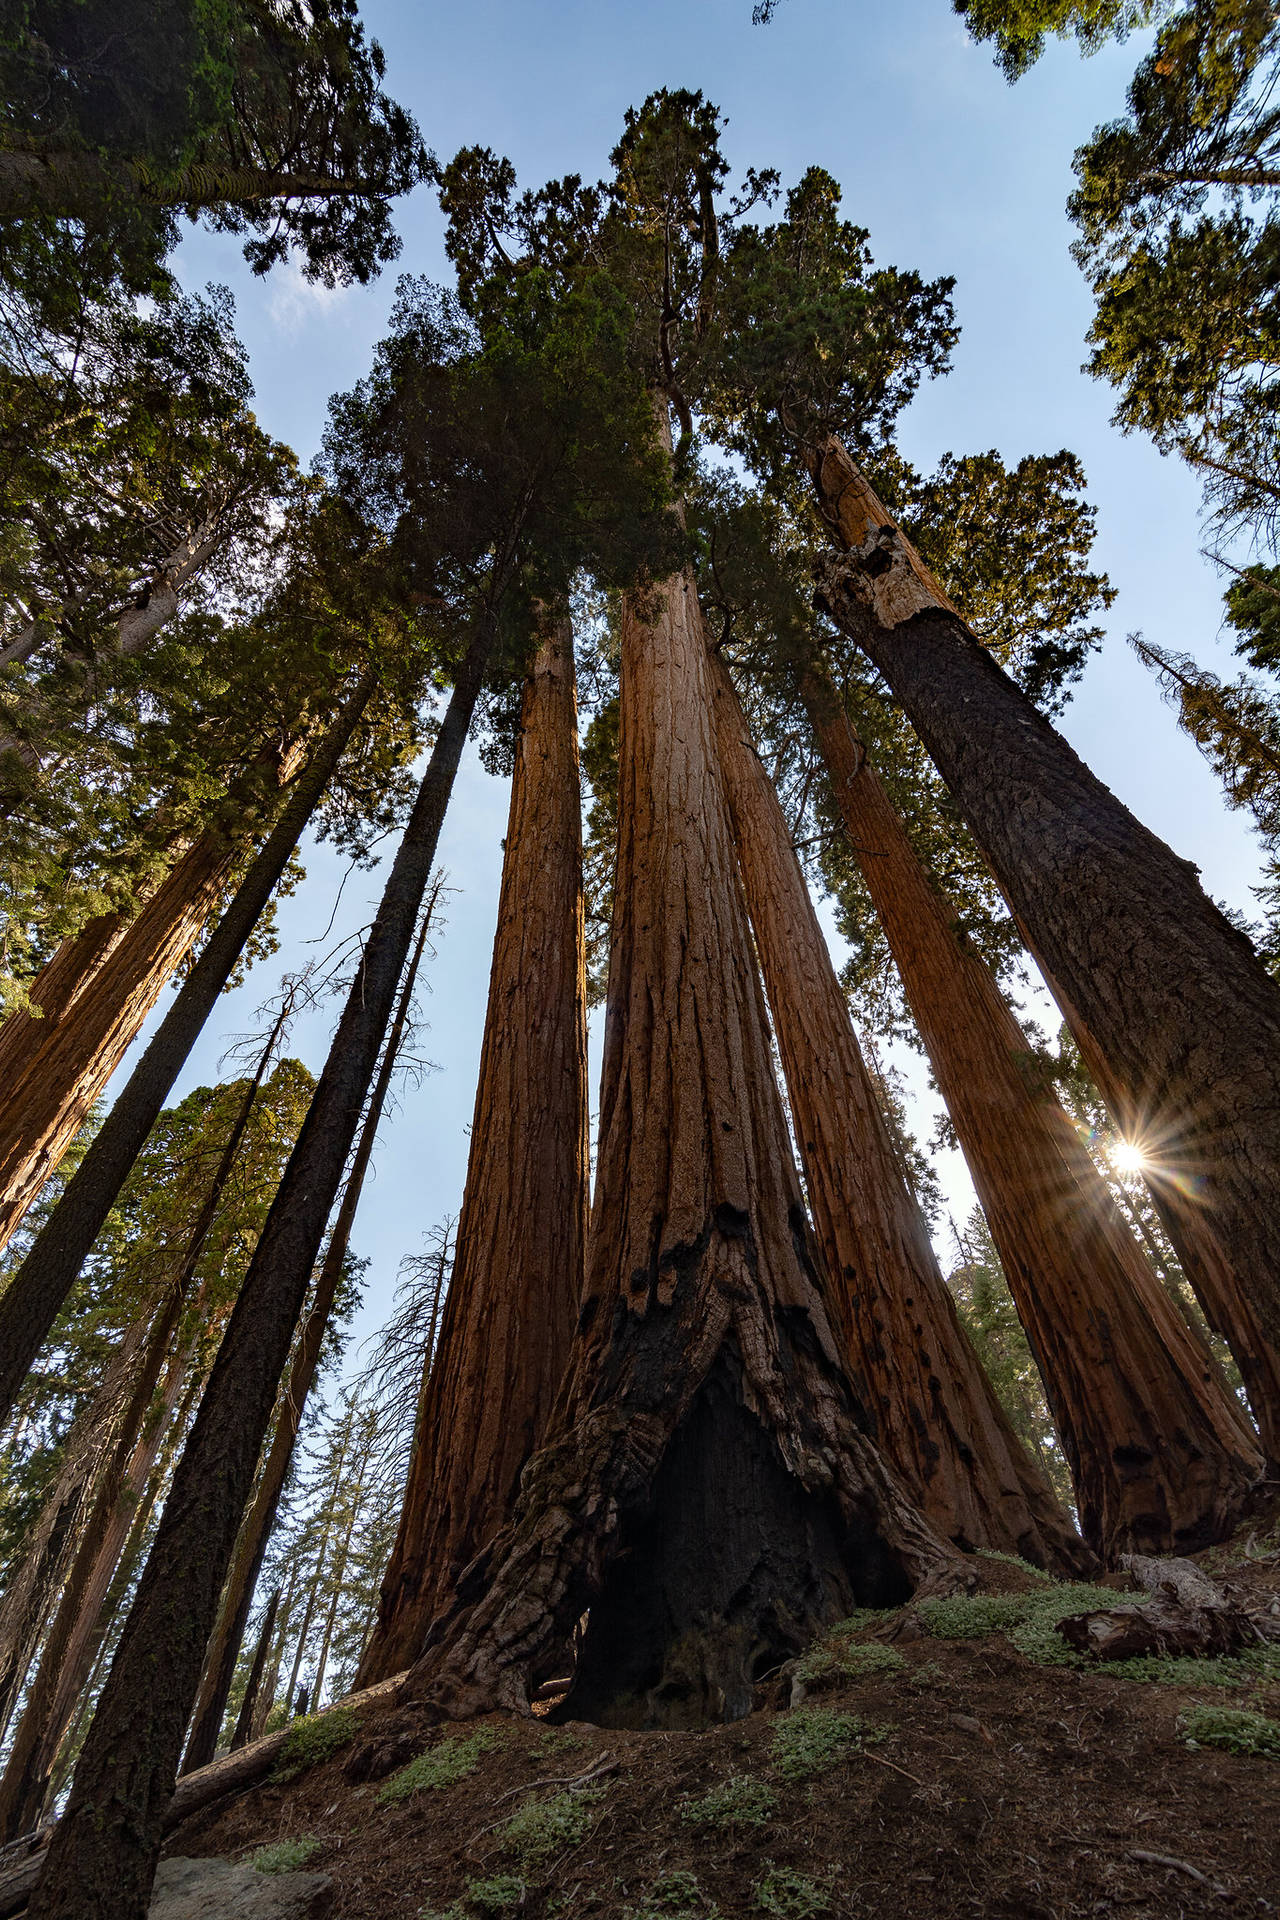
(219, 1890)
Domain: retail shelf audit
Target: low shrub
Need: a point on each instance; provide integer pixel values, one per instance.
(312, 1738)
(813, 1740)
(540, 1828)
(443, 1765)
(736, 1802)
(283, 1856)
(675, 1896)
(1235, 1729)
(791, 1895)
(832, 1658)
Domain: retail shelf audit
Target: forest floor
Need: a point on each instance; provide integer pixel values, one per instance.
(939, 1761)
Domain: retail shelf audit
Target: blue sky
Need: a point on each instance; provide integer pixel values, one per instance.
(953, 171)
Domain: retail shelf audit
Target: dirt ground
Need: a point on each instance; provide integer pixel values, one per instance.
(982, 1784)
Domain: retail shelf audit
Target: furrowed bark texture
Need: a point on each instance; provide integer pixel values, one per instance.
(251, 1545)
(1203, 1259)
(77, 1051)
(54, 988)
(1177, 1001)
(36, 1294)
(518, 1269)
(102, 1861)
(935, 1416)
(706, 1424)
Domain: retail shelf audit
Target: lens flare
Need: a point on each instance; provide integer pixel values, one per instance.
(1128, 1158)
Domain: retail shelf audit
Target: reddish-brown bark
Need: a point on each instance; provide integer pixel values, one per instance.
(1177, 1001)
(708, 1491)
(518, 1268)
(79, 1048)
(933, 1412)
(1190, 1227)
(1159, 1451)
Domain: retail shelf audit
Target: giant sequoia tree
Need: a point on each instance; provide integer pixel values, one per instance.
(518, 1269)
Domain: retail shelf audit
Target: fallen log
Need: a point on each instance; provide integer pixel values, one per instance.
(195, 1791)
(1162, 1625)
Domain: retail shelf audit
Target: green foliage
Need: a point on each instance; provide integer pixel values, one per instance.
(1213, 1670)
(269, 118)
(483, 1898)
(836, 1658)
(1236, 726)
(813, 1740)
(788, 1895)
(1020, 28)
(314, 1738)
(1234, 1729)
(1014, 1560)
(443, 1765)
(969, 1616)
(284, 1856)
(1176, 210)
(540, 1828)
(737, 1802)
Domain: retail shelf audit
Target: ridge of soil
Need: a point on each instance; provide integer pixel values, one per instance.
(1004, 1789)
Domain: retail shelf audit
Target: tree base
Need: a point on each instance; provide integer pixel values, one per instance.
(730, 1569)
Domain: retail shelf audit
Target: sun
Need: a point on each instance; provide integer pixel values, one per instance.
(1128, 1158)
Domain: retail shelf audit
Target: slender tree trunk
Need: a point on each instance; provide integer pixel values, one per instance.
(934, 1414)
(249, 1705)
(68, 1650)
(338, 1574)
(251, 1544)
(1194, 1235)
(267, 1691)
(708, 1490)
(518, 1269)
(37, 1291)
(1175, 999)
(104, 1854)
(1160, 1454)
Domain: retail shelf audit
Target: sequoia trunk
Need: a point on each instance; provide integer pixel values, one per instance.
(1178, 1003)
(102, 1860)
(1191, 1230)
(37, 1291)
(518, 1269)
(934, 1414)
(1160, 1454)
(77, 1051)
(709, 1492)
